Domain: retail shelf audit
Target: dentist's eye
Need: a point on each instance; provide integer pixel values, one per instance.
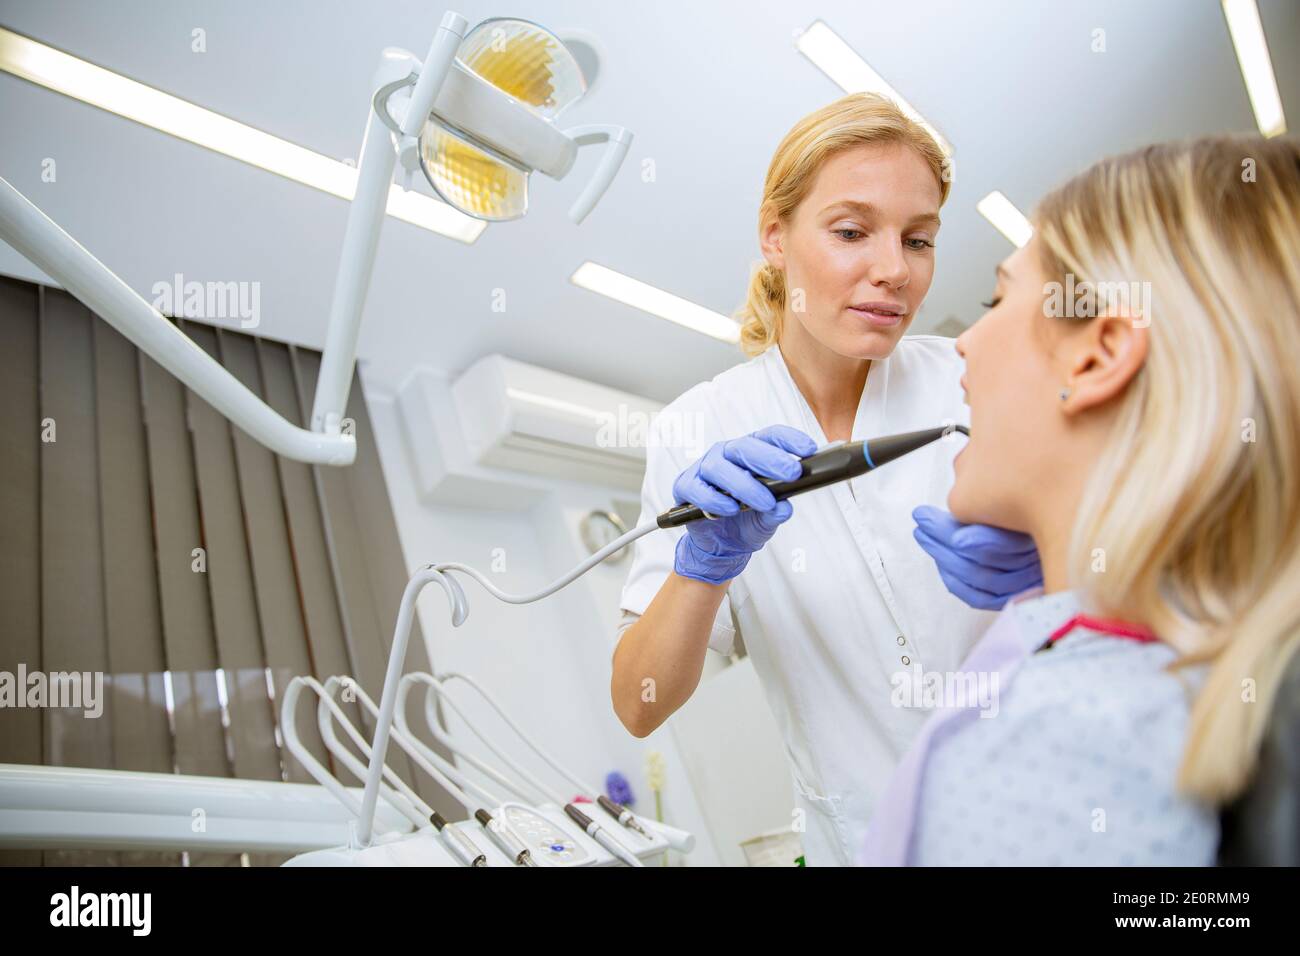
(920, 243)
(992, 303)
(854, 234)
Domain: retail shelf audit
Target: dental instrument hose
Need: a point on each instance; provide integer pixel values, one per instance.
(827, 466)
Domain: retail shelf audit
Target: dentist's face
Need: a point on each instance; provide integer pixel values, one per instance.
(858, 252)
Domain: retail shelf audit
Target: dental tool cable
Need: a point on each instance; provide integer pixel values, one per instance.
(443, 772)
(588, 825)
(429, 574)
(622, 814)
(457, 842)
(440, 734)
(460, 845)
(431, 762)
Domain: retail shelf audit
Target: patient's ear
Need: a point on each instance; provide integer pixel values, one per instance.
(1102, 357)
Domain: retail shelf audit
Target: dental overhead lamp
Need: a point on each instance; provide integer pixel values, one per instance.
(476, 117)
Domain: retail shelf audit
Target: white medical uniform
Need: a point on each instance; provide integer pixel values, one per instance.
(841, 605)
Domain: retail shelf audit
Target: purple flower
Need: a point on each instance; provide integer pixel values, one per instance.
(618, 789)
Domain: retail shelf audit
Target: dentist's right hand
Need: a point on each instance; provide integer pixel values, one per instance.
(715, 550)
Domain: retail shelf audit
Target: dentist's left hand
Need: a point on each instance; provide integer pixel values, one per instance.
(983, 565)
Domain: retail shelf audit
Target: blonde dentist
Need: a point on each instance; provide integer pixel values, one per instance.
(842, 611)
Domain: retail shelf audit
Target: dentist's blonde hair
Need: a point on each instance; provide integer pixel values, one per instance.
(1196, 500)
(859, 119)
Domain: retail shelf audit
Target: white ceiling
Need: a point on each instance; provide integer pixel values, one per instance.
(708, 88)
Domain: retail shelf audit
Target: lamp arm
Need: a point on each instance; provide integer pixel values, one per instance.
(53, 251)
(57, 254)
(619, 139)
(366, 215)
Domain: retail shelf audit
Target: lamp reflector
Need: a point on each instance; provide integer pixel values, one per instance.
(471, 180)
(527, 63)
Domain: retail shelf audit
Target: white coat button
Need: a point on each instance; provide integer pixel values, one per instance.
(901, 640)
(907, 660)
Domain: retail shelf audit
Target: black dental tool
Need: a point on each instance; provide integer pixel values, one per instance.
(826, 467)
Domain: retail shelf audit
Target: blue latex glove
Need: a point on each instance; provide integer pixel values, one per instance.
(716, 550)
(981, 564)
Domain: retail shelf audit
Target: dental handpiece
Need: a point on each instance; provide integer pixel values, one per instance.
(594, 830)
(460, 845)
(828, 466)
(510, 845)
(622, 814)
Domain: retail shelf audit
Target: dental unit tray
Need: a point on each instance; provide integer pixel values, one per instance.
(544, 828)
(425, 848)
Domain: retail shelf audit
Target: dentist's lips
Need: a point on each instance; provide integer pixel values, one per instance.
(880, 314)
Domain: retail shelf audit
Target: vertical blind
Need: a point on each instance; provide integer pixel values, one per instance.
(144, 537)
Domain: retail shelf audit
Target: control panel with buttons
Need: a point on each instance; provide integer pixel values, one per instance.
(549, 845)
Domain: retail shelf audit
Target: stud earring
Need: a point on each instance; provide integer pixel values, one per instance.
(1065, 393)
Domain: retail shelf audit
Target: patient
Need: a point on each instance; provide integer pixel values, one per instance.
(1135, 409)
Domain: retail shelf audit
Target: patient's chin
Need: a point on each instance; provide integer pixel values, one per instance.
(973, 505)
(965, 505)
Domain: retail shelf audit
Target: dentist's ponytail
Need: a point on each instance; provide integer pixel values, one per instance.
(859, 119)
(760, 316)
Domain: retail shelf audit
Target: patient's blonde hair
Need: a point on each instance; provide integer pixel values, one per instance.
(1196, 501)
(859, 119)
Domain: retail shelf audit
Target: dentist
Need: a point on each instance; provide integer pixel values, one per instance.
(841, 612)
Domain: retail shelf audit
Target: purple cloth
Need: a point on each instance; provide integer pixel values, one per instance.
(889, 834)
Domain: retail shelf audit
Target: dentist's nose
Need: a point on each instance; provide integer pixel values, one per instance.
(888, 264)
